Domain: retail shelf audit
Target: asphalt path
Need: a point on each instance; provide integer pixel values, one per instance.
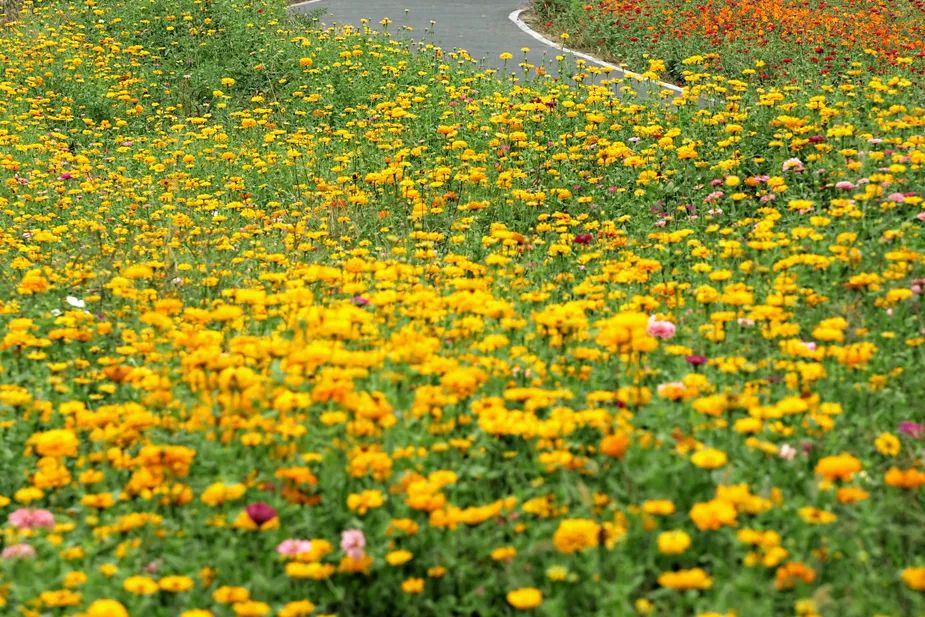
(480, 27)
(485, 29)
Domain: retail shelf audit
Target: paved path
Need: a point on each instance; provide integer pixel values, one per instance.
(484, 28)
(481, 27)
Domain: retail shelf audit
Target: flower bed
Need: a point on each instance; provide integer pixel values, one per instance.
(298, 322)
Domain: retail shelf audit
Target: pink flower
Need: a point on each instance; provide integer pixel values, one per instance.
(787, 452)
(896, 197)
(27, 518)
(17, 551)
(912, 429)
(917, 286)
(294, 546)
(844, 185)
(352, 542)
(260, 512)
(660, 328)
(793, 165)
(920, 216)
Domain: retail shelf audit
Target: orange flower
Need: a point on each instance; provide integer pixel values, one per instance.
(788, 574)
(839, 467)
(615, 445)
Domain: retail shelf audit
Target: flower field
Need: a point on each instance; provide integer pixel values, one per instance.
(771, 41)
(303, 322)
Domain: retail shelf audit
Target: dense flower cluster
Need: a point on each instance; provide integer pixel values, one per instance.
(767, 40)
(298, 322)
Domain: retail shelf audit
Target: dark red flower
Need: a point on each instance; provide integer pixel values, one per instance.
(260, 512)
(696, 359)
(583, 238)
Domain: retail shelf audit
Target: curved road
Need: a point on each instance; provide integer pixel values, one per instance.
(484, 28)
(481, 27)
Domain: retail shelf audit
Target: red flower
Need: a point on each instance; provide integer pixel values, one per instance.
(260, 512)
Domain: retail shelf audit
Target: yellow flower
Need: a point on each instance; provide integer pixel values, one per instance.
(251, 608)
(59, 598)
(851, 494)
(197, 612)
(576, 534)
(106, 608)
(888, 444)
(361, 503)
(230, 595)
(816, 516)
(525, 598)
(658, 507)
(695, 578)
(557, 573)
(504, 553)
(626, 332)
(74, 579)
(218, 493)
(140, 585)
(56, 443)
(840, 467)
(711, 515)
(353, 566)
(298, 608)
(673, 542)
(914, 578)
(314, 571)
(176, 584)
(413, 585)
(397, 558)
(709, 458)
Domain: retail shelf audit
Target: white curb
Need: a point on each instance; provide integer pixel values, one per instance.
(304, 3)
(515, 17)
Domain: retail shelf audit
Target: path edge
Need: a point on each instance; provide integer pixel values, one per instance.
(296, 5)
(514, 16)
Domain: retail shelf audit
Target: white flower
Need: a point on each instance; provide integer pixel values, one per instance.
(75, 302)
